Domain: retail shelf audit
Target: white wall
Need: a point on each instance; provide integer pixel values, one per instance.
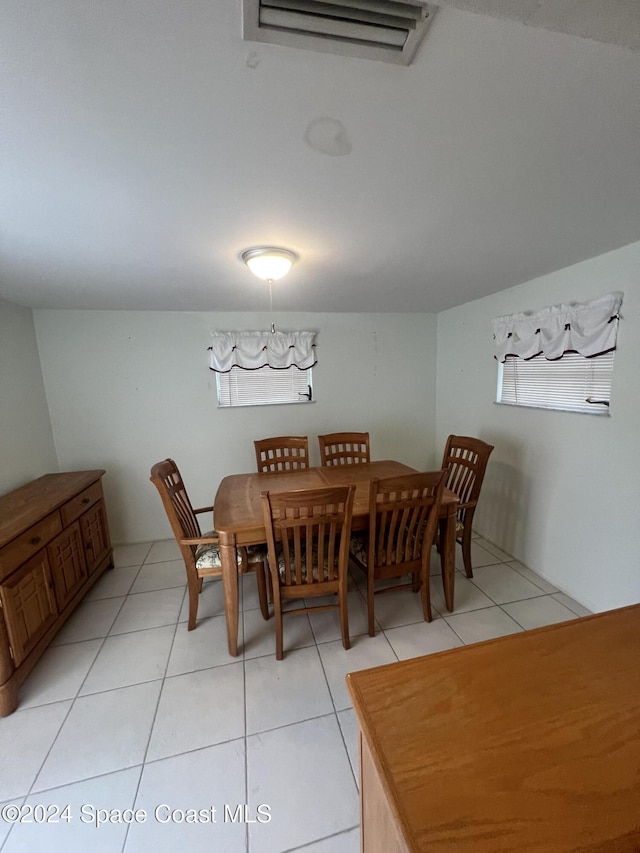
(562, 490)
(126, 389)
(26, 441)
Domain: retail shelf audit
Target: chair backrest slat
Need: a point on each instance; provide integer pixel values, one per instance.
(466, 460)
(282, 453)
(344, 448)
(184, 524)
(308, 530)
(403, 513)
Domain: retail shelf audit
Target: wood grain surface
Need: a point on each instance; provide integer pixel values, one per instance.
(526, 743)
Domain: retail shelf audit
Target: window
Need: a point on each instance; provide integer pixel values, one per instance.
(263, 368)
(560, 357)
(263, 387)
(573, 383)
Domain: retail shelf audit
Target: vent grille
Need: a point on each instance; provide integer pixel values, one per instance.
(388, 30)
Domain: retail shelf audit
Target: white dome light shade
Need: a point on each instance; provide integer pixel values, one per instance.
(269, 262)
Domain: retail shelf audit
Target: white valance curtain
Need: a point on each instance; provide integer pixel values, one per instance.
(589, 328)
(252, 350)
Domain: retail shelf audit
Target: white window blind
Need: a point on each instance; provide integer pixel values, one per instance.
(559, 357)
(572, 383)
(262, 387)
(262, 368)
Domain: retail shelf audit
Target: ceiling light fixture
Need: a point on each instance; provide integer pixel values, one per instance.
(269, 262)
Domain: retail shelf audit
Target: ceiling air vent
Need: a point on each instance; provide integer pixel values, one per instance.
(389, 30)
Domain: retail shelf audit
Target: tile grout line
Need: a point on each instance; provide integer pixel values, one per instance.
(335, 714)
(246, 735)
(71, 706)
(106, 636)
(316, 642)
(500, 605)
(323, 838)
(153, 722)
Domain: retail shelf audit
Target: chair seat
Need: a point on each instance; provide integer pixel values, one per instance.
(257, 553)
(359, 547)
(282, 568)
(208, 555)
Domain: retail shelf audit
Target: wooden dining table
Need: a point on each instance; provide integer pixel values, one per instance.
(238, 518)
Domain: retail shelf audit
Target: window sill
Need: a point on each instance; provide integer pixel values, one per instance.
(600, 413)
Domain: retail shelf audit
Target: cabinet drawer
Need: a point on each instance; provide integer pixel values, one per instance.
(28, 543)
(76, 506)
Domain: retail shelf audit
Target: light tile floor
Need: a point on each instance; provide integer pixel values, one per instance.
(129, 711)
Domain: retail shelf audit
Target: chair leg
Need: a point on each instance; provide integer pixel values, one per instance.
(194, 585)
(344, 617)
(278, 615)
(466, 550)
(425, 595)
(262, 589)
(370, 609)
(277, 612)
(441, 532)
(269, 587)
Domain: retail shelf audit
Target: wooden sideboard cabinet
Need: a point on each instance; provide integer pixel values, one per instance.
(54, 545)
(528, 743)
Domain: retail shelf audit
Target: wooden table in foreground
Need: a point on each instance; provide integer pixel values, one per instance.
(526, 743)
(238, 519)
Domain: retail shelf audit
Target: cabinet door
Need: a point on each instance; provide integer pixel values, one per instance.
(29, 605)
(68, 567)
(95, 535)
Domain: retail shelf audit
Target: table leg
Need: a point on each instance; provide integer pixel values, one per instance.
(448, 555)
(230, 586)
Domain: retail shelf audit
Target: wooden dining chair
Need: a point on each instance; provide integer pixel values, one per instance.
(200, 552)
(308, 532)
(283, 453)
(344, 448)
(466, 460)
(403, 517)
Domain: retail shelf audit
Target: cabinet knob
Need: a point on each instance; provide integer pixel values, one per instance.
(85, 500)
(35, 540)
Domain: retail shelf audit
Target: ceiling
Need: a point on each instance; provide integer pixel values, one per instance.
(145, 145)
